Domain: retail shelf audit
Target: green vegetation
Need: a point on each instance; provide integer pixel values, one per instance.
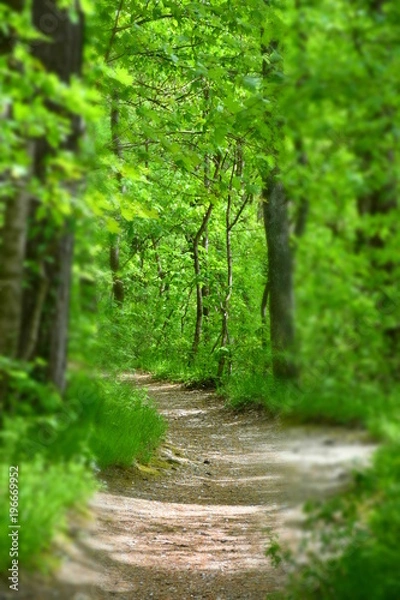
(227, 217)
(353, 551)
(99, 423)
(126, 427)
(47, 492)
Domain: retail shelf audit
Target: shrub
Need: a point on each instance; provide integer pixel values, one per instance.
(244, 389)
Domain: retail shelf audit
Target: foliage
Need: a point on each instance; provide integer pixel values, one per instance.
(47, 493)
(190, 109)
(109, 422)
(353, 550)
(99, 423)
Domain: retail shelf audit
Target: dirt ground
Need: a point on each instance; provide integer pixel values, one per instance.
(197, 523)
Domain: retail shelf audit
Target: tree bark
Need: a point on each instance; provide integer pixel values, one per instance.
(237, 169)
(59, 319)
(264, 312)
(45, 319)
(280, 277)
(229, 284)
(199, 293)
(206, 287)
(118, 290)
(14, 211)
(279, 288)
(31, 330)
(12, 252)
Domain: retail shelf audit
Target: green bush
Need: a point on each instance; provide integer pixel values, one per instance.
(110, 422)
(60, 433)
(327, 401)
(243, 389)
(331, 401)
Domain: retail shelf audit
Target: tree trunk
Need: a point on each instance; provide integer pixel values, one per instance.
(280, 277)
(118, 290)
(60, 301)
(206, 287)
(279, 288)
(12, 251)
(14, 212)
(47, 291)
(237, 169)
(199, 292)
(225, 304)
(199, 301)
(264, 309)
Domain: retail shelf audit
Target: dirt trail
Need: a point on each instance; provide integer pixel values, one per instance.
(199, 529)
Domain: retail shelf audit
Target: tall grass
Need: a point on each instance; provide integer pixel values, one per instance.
(101, 423)
(46, 493)
(126, 426)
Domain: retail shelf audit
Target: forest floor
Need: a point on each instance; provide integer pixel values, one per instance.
(196, 524)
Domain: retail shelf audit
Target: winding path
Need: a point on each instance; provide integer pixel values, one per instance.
(199, 527)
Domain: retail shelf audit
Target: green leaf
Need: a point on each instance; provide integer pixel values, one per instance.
(122, 75)
(112, 225)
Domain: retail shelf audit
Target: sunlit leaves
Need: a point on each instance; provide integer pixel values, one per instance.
(112, 225)
(122, 75)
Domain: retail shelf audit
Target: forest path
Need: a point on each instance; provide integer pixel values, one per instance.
(199, 529)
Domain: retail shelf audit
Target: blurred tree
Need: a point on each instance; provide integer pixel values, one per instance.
(37, 236)
(279, 290)
(14, 208)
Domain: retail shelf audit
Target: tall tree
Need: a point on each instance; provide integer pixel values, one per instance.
(14, 212)
(280, 286)
(39, 317)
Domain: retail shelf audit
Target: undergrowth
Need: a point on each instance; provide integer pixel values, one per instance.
(352, 552)
(126, 426)
(47, 492)
(328, 401)
(100, 422)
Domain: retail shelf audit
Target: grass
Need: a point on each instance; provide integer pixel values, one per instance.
(109, 422)
(126, 426)
(175, 367)
(46, 493)
(99, 422)
(329, 401)
(243, 390)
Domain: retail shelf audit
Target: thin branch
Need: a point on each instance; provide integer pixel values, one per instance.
(144, 22)
(241, 209)
(114, 31)
(204, 223)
